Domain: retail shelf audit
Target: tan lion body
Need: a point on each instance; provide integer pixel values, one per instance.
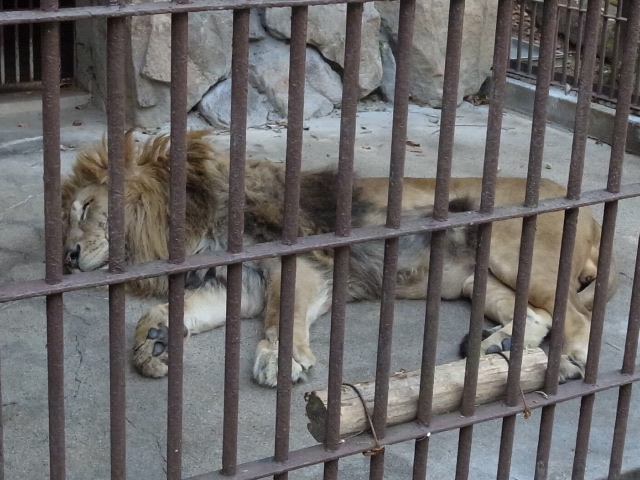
(146, 200)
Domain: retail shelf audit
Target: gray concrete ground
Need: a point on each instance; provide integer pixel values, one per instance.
(22, 342)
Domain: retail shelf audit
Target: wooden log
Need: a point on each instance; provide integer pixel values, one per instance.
(404, 388)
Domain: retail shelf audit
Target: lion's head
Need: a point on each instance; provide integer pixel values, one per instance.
(146, 203)
(86, 243)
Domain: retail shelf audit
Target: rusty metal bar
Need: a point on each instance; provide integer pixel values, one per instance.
(176, 244)
(603, 47)
(295, 124)
(483, 244)
(628, 368)
(532, 31)
(616, 51)
(53, 242)
(546, 67)
(116, 35)
(151, 8)
(35, 288)
(408, 431)
(350, 95)
(606, 242)
(581, 14)
(16, 46)
(238, 146)
(574, 188)
(521, 36)
(440, 213)
(567, 36)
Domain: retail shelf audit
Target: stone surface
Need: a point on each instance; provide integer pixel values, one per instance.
(388, 80)
(269, 74)
(429, 46)
(215, 106)
(326, 32)
(209, 61)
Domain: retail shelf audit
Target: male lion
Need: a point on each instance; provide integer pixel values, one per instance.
(146, 214)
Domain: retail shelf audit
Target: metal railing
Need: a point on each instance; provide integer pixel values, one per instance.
(571, 32)
(54, 285)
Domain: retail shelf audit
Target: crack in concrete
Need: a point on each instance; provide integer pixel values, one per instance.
(6, 210)
(82, 319)
(79, 352)
(157, 439)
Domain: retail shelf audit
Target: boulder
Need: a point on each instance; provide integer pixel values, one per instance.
(388, 80)
(209, 61)
(269, 74)
(429, 46)
(215, 106)
(326, 32)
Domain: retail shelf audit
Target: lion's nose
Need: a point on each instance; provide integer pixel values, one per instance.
(72, 256)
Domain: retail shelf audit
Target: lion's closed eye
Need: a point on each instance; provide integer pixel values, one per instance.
(85, 209)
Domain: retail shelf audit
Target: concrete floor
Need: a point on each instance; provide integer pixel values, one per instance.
(22, 342)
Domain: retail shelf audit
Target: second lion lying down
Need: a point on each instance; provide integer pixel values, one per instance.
(146, 193)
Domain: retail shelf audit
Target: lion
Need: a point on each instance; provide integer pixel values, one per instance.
(146, 196)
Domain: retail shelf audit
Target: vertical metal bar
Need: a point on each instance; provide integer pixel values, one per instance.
(567, 36)
(31, 45)
(552, 78)
(238, 144)
(53, 239)
(178, 179)
(2, 67)
(440, 212)
(521, 36)
(295, 120)
(116, 31)
(532, 37)
(628, 368)
(16, 41)
(545, 68)
(581, 13)
(616, 50)
(483, 244)
(603, 46)
(350, 96)
(606, 242)
(574, 188)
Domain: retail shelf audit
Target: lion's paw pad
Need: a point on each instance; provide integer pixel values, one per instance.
(152, 355)
(504, 346)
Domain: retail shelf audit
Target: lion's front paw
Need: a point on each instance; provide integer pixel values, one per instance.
(265, 370)
(151, 344)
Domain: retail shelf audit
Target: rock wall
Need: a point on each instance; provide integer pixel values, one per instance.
(209, 62)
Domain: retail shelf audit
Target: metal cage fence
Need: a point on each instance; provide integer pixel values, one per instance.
(54, 285)
(571, 33)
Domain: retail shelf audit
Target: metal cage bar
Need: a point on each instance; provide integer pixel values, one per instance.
(295, 124)
(53, 244)
(116, 32)
(284, 460)
(343, 228)
(239, 79)
(176, 243)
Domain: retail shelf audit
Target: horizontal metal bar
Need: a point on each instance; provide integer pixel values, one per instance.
(149, 8)
(36, 288)
(412, 430)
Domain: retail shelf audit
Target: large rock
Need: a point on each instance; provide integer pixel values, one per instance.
(215, 106)
(269, 74)
(326, 31)
(209, 61)
(429, 46)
